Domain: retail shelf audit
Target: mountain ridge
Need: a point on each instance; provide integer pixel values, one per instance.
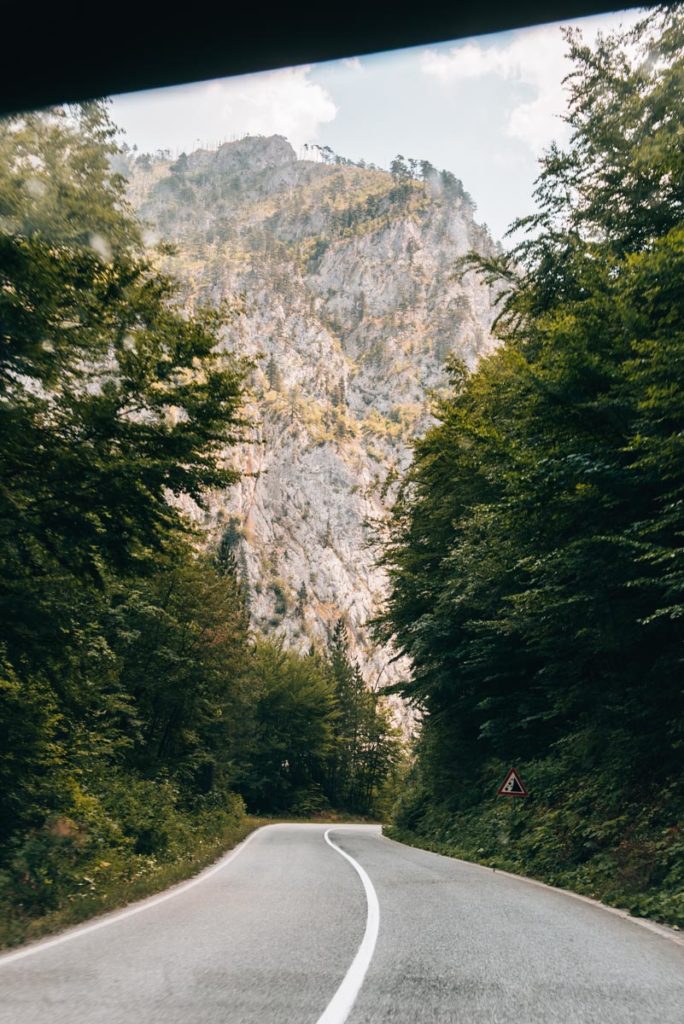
(349, 301)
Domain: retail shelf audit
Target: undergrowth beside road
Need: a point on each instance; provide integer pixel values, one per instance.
(111, 885)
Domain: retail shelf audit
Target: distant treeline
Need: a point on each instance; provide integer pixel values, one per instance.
(138, 714)
(536, 554)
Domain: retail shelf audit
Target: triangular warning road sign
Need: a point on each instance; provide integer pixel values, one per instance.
(512, 785)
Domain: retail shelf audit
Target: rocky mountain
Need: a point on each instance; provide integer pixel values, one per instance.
(344, 275)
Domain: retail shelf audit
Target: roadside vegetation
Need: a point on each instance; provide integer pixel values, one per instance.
(534, 554)
(139, 715)
(536, 550)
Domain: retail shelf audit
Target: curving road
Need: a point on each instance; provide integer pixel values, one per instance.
(299, 926)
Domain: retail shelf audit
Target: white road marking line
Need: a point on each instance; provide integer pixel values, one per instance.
(339, 1007)
(137, 908)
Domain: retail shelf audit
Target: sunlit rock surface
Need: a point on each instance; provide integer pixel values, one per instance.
(345, 275)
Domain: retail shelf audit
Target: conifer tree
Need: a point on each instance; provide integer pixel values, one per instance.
(273, 374)
(366, 746)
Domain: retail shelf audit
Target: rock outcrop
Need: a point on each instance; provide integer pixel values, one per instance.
(350, 303)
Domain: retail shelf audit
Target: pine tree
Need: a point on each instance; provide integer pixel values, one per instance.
(273, 374)
(399, 169)
(366, 746)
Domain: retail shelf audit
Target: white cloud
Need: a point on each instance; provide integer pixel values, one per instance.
(531, 57)
(283, 102)
(352, 64)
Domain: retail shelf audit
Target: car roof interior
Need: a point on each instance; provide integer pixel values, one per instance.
(74, 52)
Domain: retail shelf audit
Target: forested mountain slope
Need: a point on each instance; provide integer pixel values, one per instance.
(349, 298)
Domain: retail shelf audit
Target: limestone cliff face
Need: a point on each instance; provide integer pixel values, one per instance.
(349, 299)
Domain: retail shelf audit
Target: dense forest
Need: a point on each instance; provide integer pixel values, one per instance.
(139, 713)
(536, 552)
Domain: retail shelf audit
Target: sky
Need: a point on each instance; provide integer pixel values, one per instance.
(484, 108)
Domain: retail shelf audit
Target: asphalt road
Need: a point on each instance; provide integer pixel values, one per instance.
(296, 928)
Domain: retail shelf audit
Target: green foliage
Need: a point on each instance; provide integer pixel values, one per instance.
(399, 169)
(535, 553)
(319, 737)
(404, 171)
(367, 746)
(273, 375)
(181, 164)
(121, 648)
(577, 831)
(181, 638)
(110, 398)
(136, 709)
(48, 889)
(29, 721)
(293, 716)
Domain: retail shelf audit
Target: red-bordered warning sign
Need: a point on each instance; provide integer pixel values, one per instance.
(512, 785)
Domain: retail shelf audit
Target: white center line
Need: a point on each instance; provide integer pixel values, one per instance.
(339, 1007)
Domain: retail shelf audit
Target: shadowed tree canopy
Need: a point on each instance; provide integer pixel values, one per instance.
(113, 403)
(537, 549)
(111, 398)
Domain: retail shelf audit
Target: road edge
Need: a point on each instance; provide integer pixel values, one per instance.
(108, 917)
(114, 914)
(664, 931)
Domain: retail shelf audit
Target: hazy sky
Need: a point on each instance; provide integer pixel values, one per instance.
(484, 108)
